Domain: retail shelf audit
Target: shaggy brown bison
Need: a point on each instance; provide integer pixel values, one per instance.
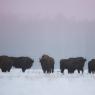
(47, 64)
(22, 62)
(5, 63)
(91, 66)
(72, 64)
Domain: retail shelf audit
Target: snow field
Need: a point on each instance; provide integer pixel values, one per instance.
(34, 82)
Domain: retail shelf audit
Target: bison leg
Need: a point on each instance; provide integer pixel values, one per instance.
(52, 70)
(8, 70)
(93, 71)
(48, 71)
(23, 69)
(82, 71)
(44, 71)
(89, 71)
(78, 71)
(3, 70)
(62, 71)
(69, 71)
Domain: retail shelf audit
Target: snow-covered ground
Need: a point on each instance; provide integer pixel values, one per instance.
(34, 82)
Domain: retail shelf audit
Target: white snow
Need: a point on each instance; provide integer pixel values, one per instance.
(34, 82)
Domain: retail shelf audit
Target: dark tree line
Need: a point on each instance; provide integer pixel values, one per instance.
(47, 64)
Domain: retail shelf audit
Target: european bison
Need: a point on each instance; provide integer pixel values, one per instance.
(72, 64)
(22, 62)
(91, 66)
(47, 64)
(5, 63)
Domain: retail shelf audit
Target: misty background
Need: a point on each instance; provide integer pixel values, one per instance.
(29, 28)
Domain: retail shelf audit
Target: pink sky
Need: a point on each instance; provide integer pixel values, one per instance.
(27, 9)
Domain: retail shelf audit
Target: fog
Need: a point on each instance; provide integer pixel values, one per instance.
(59, 38)
(59, 28)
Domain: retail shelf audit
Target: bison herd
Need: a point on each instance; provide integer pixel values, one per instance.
(47, 64)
